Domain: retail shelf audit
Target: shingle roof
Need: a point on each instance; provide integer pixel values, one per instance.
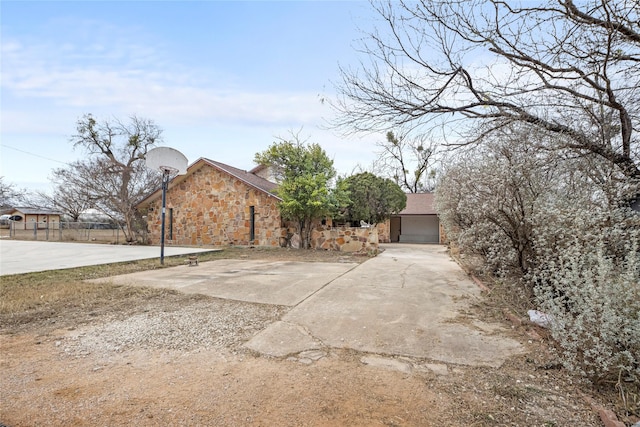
(247, 177)
(419, 204)
(257, 169)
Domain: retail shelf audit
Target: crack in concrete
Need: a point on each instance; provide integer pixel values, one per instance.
(403, 275)
(327, 284)
(306, 330)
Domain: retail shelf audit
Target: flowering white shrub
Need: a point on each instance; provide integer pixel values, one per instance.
(556, 223)
(486, 199)
(587, 277)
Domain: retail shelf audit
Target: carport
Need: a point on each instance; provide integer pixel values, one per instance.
(418, 222)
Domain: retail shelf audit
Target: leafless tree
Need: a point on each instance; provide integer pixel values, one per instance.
(114, 176)
(570, 69)
(70, 197)
(10, 195)
(408, 161)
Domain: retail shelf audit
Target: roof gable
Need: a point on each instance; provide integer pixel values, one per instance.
(248, 178)
(419, 204)
(35, 211)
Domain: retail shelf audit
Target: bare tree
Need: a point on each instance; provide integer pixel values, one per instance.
(571, 70)
(10, 195)
(70, 197)
(407, 161)
(114, 177)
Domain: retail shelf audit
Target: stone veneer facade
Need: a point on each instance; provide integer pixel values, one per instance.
(345, 239)
(211, 207)
(384, 231)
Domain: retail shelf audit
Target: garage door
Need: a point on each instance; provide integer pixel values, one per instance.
(419, 229)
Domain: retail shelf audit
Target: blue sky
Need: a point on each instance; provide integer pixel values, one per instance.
(222, 79)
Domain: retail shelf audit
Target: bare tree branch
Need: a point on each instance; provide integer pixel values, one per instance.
(114, 178)
(568, 69)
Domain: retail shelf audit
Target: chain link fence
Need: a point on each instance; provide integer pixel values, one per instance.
(100, 232)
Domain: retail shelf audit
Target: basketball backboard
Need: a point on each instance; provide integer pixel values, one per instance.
(167, 159)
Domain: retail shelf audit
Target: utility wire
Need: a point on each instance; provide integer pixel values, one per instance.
(33, 154)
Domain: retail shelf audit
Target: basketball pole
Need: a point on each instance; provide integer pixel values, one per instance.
(165, 184)
(169, 161)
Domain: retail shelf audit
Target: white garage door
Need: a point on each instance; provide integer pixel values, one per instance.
(419, 229)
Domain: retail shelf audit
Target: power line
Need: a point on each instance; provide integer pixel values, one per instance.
(33, 154)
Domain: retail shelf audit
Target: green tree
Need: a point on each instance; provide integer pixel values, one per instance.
(305, 175)
(372, 199)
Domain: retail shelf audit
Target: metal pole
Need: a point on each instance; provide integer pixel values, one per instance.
(165, 184)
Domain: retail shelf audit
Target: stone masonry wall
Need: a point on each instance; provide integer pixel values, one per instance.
(345, 239)
(212, 208)
(384, 231)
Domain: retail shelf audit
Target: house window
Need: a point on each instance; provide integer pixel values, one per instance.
(252, 223)
(170, 223)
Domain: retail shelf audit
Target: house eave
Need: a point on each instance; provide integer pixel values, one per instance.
(190, 170)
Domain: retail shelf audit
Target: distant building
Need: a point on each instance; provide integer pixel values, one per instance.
(30, 218)
(418, 222)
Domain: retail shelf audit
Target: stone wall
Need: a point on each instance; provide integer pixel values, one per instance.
(444, 240)
(345, 239)
(384, 231)
(211, 207)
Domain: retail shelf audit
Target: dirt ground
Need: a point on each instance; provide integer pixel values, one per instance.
(74, 368)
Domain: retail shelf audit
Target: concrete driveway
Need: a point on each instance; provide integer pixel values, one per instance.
(408, 301)
(266, 282)
(24, 256)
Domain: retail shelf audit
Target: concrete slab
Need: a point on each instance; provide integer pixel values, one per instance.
(288, 339)
(403, 302)
(387, 363)
(23, 256)
(266, 282)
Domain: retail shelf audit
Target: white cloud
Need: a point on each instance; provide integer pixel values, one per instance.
(54, 75)
(47, 84)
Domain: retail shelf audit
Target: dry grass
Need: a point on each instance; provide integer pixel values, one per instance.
(66, 288)
(510, 295)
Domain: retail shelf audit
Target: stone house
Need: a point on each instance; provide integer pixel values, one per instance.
(216, 204)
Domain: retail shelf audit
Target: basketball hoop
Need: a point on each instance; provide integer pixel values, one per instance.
(170, 162)
(167, 160)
